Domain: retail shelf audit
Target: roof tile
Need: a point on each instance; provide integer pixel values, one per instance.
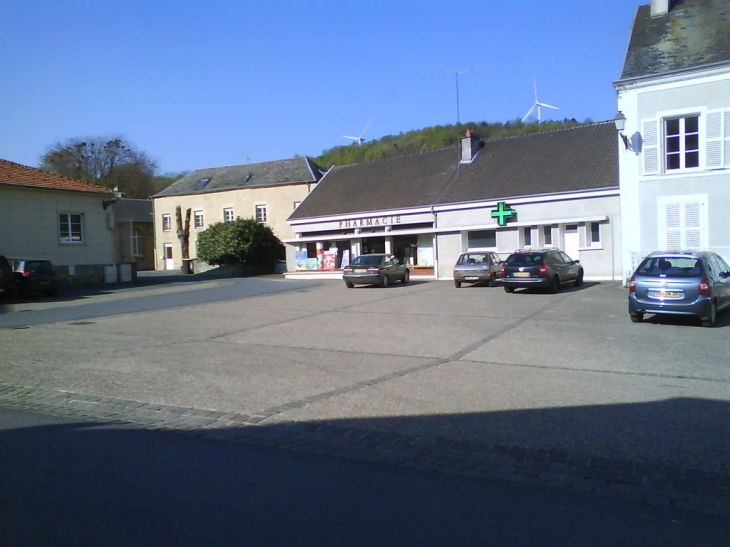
(15, 174)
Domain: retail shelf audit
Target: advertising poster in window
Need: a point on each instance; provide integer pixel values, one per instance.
(300, 257)
(329, 259)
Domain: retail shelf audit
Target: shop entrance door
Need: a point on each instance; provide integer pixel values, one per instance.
(571, 241)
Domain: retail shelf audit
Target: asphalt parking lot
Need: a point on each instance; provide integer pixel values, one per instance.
(525, 375)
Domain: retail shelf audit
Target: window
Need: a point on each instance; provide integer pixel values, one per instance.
(261, 214)
(527, 236)
(199, 222)
(166, 223)
(136, 242)
(70, 228)
(682, 143)
(483, 238)
(547, 232)
(228, 214)
(201, 183)
(594, 236)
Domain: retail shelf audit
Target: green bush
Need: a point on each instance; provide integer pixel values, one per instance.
(243, 241)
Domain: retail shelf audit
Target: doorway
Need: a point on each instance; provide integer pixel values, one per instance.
(571, 241)
(169, 262)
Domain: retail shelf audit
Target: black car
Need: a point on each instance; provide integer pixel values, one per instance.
(543, 268)
(35, 276)
(7, 281)
(375, 269)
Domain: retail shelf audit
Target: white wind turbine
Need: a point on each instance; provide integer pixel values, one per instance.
(359, 139)
(537, 105)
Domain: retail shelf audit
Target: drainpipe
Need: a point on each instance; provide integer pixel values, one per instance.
(435, 244)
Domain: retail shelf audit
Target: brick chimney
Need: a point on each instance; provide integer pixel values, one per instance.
(659, 8)
(470, 145)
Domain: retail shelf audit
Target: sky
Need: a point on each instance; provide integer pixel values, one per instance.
(198, 84)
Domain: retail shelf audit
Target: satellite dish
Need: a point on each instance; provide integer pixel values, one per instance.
(359, 139)
(537, 105)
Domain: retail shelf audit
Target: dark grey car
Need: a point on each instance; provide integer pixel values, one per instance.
(540, 268)
(375, 269)
(680, 283)
(477, 267)
(35, 276)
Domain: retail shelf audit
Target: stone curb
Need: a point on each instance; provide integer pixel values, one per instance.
(657, 485)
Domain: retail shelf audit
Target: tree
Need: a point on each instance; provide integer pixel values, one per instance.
(108, 162)
(243, 241)
(183, 234)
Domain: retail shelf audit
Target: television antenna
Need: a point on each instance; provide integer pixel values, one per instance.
(537, 105)
(456, 77)
(359, 139)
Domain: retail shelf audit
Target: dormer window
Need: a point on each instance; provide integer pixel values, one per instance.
(201, 183)
(247, 178)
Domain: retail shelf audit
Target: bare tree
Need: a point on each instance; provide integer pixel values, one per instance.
(183, 234)
(109, 162)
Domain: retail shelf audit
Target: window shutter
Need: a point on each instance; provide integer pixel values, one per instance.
(673, 227)
(683, 222)
(650, 146)
(714, 140)
(726, 134)
(692, 225)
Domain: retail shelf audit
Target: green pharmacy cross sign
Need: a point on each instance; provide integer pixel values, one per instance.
(503, 213)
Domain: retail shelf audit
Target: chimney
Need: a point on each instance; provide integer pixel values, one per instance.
(659, 8)
(470, 145)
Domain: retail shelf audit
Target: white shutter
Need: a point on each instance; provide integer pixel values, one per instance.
(650, 146)
(683, 222)
(714, 140)
(726, 128)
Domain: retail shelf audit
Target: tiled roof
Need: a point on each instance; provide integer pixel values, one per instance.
(15, 174)
(694, 34)
(134, 210)
(253, 175)
(567, 160)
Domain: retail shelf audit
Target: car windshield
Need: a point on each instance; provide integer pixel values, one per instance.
(473, 258)
(671, 266)
(367, 260)
(525, 259)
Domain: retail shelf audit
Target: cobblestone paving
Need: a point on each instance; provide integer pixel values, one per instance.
(656, 485)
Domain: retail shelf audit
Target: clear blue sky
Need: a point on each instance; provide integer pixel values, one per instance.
(211, 83)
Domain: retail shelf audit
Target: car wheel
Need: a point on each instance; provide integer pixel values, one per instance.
(709, 321)
(457, 284)
(579, 279)
(349, 284)
(492, 281)
(406, 277)
(385, 281)
(636, 317)
(509, 289)
(555, 285)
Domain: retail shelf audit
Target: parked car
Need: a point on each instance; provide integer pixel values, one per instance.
(682, 283)
(477, 267)
(7, 280)
(375, 269)
(544, 268)
(35, 276)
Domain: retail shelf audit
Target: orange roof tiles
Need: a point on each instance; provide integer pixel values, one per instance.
(15, 174)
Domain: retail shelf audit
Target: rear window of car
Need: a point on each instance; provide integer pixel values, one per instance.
(38, 265)
(367, 260)
(474, 258)
(671, 266)
(525, 259)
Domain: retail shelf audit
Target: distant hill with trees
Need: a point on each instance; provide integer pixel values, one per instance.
(433, 138)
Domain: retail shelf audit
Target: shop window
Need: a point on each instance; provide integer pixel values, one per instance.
(547, 232)
(483, 239)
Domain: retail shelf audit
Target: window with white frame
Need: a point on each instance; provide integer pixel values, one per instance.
(482, 239)
(683, 222)
(199, 221)
(228, 214)
(527, 236)
(261, 214)
(166, 223)
(71, 228)
(136, 242)
(547, 235)
(593, 234)
(679, 142)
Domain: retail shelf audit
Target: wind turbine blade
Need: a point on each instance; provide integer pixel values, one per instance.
(534, 82)
(366, 127)
(529, 112)
(548, 106)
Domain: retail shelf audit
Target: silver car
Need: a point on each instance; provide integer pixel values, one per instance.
(477, 267)
(680, 283)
